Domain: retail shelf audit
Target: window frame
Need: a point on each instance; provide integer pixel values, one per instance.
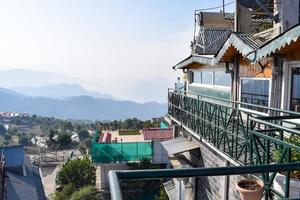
(212, 86)
(240, 94)
(287, 83)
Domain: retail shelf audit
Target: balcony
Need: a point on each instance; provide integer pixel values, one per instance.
(237, 130)
(258, 143)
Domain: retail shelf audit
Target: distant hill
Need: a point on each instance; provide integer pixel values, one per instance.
(80, 107)
(61, 90)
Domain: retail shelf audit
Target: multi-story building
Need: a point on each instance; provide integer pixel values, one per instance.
(239, 112)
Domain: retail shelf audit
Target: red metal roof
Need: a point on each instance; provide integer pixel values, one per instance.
(105, 138)
(158, 134)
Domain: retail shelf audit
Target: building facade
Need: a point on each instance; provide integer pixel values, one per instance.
(242, 78)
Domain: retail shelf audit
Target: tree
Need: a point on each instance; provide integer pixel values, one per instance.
(79, 173)
(67, 125)
(144, 163)
(64, 193)
(7, 137)
(52, 133)
(64, 139)
(83, 134)
(87, 143)
(2, 130)
(86, 193)
(24, 140)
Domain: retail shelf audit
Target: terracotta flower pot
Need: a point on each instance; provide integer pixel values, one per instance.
(250, 189)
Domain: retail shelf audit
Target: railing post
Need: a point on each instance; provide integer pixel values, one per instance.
(287, 174)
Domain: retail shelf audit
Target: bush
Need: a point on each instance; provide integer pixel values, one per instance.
(65, 193)
(78, 172)
(162, 194)
(295, 155)
(130, 132)
(24, 140)
(83, 134)
(86, 193)
(2, 130)
(64, 139)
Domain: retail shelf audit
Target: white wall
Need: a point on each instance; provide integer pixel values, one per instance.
(160, 155)
(102, 173)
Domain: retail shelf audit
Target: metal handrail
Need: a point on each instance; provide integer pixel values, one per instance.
(246, 137)
(236, 102)
(115, 176)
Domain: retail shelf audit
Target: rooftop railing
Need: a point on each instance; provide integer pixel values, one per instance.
(121, 151)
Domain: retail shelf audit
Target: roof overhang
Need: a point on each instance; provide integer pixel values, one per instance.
(234, 45)
(198, 59)
(179, 145)
(277, 45)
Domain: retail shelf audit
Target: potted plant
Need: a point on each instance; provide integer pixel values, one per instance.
(279, 181)
(250, 189)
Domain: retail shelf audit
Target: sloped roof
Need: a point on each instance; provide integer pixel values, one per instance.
(104, 138)
(200, 59)
(242, 44)
(210, 40)
(158, 134)
(179, 145)
(276, 44)
(29, 187)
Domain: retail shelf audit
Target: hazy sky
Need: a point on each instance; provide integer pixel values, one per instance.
(121, 47)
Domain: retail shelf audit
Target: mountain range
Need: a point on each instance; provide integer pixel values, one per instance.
(55, 95)
(60, 91)
(79, 107)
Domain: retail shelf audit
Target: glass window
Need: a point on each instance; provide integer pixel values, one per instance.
(197, 77)
(221, 78)
(207, 77)
(255, 91)
(295, 90)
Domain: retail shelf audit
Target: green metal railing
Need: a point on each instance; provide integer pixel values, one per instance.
(116, 176)
(246, 136)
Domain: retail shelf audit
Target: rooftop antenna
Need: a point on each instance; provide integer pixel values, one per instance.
(223, 8)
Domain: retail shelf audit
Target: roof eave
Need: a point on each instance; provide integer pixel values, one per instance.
(204, 60)
(236, 42)
(275, 44)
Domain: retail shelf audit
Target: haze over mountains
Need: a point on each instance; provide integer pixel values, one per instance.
(55, 95)
(61, 90)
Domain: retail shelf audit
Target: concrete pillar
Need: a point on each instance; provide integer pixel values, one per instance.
(277, 75)
(235, 81)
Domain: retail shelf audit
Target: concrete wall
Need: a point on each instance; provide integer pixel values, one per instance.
(102, 173)
(215, 187)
